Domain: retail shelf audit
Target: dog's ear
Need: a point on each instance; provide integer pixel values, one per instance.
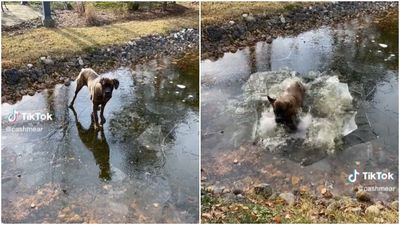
(116, 83)
(271, 100)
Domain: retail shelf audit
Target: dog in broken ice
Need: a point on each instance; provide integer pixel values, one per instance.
(288, 105)
(100, 89)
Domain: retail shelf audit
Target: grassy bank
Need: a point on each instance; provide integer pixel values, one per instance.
(28, 47)
(306, 209)
(217, 12)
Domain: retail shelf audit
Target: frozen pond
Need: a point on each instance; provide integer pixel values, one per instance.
(359, 57)
(143, 166)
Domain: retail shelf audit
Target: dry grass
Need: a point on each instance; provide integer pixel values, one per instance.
(62, 42)
(91, 17)
(79, 8)
(305, 211)
(216, 12)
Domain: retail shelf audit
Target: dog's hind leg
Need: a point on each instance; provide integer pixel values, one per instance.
(79, 86)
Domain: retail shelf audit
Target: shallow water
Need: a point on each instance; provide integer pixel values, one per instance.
(355, 53)
(143, 167)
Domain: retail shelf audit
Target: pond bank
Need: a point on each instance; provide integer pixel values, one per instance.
(297, 207)
(249, 29)
(49, 71)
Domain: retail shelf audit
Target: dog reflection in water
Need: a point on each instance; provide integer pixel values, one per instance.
(97, 145)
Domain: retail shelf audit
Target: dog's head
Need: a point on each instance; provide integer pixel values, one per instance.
(284, 109)
(108, 85)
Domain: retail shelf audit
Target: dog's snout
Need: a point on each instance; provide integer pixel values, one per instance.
(279, 119)
(107, 93)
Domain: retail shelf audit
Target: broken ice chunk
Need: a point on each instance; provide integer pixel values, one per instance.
(383, 45)
(151, 137)
(349, 124)
(181, 86)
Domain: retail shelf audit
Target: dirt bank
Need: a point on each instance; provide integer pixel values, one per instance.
(263, 205)
(47, 71)
(247, 29)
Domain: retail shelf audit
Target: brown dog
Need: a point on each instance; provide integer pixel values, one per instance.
(287, 106)
(100, 89)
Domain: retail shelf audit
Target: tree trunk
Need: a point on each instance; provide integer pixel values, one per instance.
(164, 6)
(80, 8)
(133, 6)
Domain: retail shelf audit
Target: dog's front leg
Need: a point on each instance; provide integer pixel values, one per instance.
(95, 117)
(103, 119)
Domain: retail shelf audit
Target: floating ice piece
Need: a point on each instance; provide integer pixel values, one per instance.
(349, 124)
(267, 123)
(171, 82)
(379, 51)
(151, 137)
(383, 45)
(373, 41)
(190, 96)
(304, 124)
(181, 86)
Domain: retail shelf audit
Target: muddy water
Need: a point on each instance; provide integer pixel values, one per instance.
(143, 166)
(363, 54)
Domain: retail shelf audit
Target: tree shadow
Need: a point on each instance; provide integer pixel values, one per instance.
(83, 42)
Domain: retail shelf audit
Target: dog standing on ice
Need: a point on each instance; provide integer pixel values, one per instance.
(100, 89)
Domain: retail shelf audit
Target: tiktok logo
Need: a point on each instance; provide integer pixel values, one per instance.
(13, 116)
(371, 176)
(353, 177)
